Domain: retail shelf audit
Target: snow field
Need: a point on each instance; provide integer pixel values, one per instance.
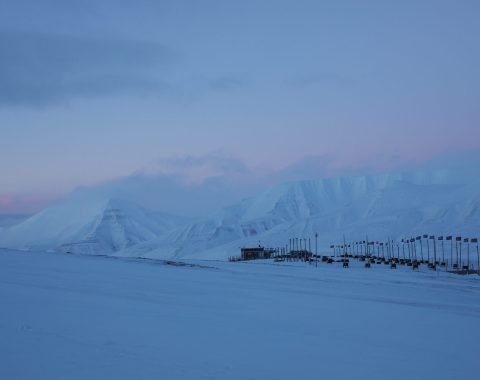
(77, 317)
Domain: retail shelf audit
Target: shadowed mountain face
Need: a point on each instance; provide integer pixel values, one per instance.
(386, 206)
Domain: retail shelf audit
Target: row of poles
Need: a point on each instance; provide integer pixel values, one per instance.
(298, 249)
(412, 249)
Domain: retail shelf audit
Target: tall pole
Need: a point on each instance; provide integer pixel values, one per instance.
(443, 249)
(316, 252)
(456, 249)
(295, 249)
(421, 247)
(468, 254)
(428, 248)
(451, 249)
(305, 249)
(475, 240)
(461, 263)
(434, 252)
(309, 251)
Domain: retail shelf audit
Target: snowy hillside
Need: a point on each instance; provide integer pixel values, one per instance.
(87, 226)
(380, 206)
(390, 205)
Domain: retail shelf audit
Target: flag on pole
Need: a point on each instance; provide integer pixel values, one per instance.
(474, 240)
(425, 236)
(449, 238)
(458, 238)
(440, 238)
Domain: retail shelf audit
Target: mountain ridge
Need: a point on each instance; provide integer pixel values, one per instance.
(389, 205)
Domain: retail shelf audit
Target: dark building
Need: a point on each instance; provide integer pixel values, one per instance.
(256, 253)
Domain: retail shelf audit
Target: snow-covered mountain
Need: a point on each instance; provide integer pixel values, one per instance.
(390, 205)
(88, 226)
(380, 206)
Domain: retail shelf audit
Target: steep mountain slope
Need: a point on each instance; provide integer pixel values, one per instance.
(87, 226)
(380, 206)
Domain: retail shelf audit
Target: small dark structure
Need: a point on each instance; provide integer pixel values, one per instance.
(256, 253)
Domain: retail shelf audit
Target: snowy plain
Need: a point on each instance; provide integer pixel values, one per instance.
(90, 317)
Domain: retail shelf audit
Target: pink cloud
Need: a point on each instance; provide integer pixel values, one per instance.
(23, 204)
(6, 201)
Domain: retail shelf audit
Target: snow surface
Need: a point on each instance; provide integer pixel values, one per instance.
(85, 317)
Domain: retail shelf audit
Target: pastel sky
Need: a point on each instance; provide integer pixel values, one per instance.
(95, 90)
